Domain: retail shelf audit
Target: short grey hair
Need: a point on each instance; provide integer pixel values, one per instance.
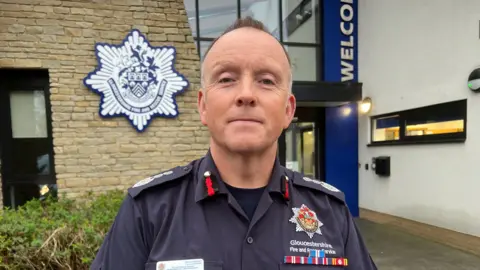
(242, 23)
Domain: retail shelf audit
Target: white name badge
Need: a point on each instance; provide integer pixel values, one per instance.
(192, 264)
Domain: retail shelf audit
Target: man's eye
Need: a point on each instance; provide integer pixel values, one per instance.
(225, 80)
(267, 81)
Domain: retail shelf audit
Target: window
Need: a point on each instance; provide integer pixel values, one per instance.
(203, 48)
(301, 21)
(445, 122)
(304, 62)
(264, 11)
(295, 23)
(386, 129)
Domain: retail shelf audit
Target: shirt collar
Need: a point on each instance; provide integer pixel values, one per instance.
(208, 179)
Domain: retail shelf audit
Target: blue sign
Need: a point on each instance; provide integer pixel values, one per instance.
(340, 33)
(136, 80)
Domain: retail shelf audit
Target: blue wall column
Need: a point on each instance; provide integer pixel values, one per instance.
(341, 123)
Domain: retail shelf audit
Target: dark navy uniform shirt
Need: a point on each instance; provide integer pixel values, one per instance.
(190, 213)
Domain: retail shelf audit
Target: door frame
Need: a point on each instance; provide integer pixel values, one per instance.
(315, 115)
(12, 80)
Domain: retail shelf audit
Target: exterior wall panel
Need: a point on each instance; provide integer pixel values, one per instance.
(415, 54)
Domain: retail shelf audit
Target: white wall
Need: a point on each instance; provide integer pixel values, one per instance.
(414, 53)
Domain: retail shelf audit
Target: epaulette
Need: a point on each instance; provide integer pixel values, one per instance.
(322, 186)
(159, 179)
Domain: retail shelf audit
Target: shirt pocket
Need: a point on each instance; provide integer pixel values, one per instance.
(207, 265)
(308, 267)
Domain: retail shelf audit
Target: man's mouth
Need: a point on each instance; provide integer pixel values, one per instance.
(247, 120)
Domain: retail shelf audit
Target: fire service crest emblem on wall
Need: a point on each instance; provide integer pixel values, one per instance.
(136, 80)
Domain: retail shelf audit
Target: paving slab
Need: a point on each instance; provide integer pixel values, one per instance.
(393, 249)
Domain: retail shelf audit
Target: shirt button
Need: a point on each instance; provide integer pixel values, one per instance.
(250, 240)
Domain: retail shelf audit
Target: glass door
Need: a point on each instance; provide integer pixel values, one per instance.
(301, 145)
(300, 148)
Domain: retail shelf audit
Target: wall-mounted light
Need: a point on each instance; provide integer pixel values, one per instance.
(346, 111)
(366, 105)
(474, 80)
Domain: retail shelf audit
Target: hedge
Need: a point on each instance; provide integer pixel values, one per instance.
(56, 233)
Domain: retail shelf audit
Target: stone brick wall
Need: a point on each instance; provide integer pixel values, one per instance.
(92, 153)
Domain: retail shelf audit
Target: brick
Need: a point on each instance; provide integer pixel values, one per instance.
(48, 38)
(46, 22)
(7, 62)
(112, 35)
(141, 28)
(140, 15)
(177, 5)
(175, 18)
(81, 11)
(54, 30)
(157, 37)
(122, 14)
(61, 10)
(35, 30)
(129, 2)
(16, 28)
(28, 63)
(84, 24)
(74, 17)
(44, 9)
(160, 23)
(170, 30)
(152, 3)
(82, 40)
(7, 21)
(175, 37)
(103, 13)
(93, 19)
(156, 17)
(74, 32)
(169, 11)
(64, 39)
(31, 38)
(50, 2)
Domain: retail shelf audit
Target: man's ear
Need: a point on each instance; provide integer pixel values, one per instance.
(290, 108)
(201, 107)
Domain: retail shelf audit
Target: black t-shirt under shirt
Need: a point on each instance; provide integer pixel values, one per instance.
(247, 198)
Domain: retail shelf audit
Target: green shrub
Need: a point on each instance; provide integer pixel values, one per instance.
(56, 234)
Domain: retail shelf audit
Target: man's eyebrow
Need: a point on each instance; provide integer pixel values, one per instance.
(271, 69)
(221, 66)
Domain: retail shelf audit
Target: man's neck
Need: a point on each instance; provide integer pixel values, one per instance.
(244, 171)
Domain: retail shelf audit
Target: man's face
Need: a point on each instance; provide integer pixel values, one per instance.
(246, 101)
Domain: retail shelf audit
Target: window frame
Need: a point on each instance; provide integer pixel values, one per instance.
(456, 108)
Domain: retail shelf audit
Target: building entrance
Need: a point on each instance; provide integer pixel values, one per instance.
(301, 145)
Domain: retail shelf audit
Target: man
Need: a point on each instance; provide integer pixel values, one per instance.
(237, 207)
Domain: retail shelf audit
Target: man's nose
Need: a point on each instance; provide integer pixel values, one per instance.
(246, 95)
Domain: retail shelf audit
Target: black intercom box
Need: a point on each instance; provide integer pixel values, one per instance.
(382, 166)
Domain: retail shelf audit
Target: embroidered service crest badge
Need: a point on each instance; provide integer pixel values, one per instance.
(306, 221)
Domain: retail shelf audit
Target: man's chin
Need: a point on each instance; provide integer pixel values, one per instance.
(246, 146)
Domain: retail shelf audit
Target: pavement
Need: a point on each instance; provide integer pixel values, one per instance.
(393, 249)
